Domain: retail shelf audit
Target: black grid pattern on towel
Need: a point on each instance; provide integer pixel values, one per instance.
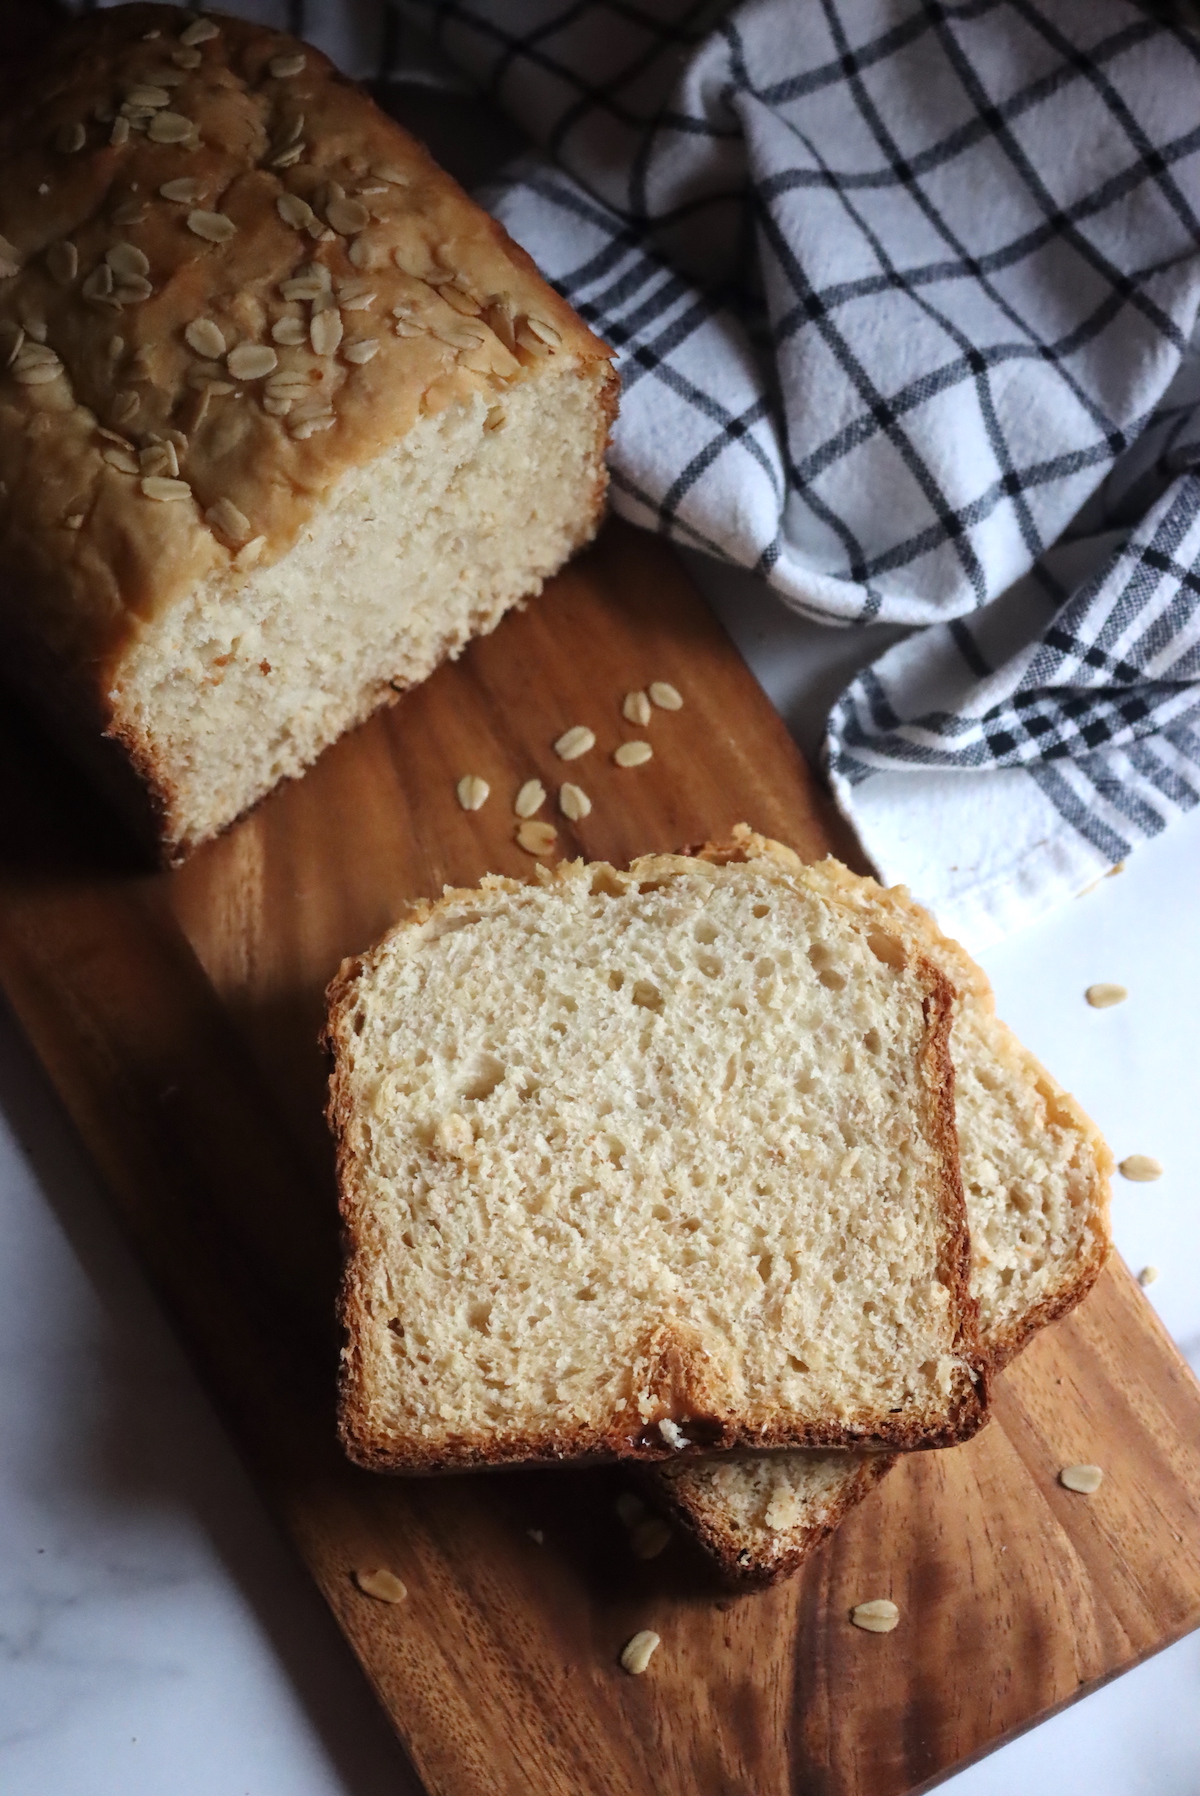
(973, 307)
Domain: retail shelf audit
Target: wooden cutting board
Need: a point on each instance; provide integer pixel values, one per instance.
(178, 1017)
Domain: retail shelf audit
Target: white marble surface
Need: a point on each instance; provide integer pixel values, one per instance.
(156, 1636)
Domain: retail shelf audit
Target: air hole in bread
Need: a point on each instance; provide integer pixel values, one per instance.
(710, 965)
(887, 948)
(487, 1074)
(606, 884)
(705, 932)
(616, 979)
(871, 1041)
(647, 995)
(761, 910)
(479, 1316)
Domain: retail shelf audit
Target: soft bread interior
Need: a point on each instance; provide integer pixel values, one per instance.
(252, 675)
(628, 1153)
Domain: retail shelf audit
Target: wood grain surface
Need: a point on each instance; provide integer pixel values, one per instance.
(178, 1017)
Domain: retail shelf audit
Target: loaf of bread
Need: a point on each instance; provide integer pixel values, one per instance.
(643, 1163)
(285, 418)
(1036, 1179)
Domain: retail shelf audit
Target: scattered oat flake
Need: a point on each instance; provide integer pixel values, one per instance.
(1102, 996)
(472, 792)
(665, 696)
(537, 838)
(383, 1585)
(214, 227)
(199, 32)
(165, 491)
(325, 331)
(170, 127)
(185, 191)
(282, 67)
(251, 361)
(574, 742)
(530, 798)
(879, 1616)
(574, 802)
(649, 1538)
(205, 337)
(1141, 1168)
(637, 709)
(347, 217)
(536, 1536)
(294, 211)
(1147, 1276)
(633, 754)
(62, 259)
(637, 1653)
(1082, 1478)
(227, 521)
(361, 352)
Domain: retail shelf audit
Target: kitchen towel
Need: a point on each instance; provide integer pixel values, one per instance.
(904, 294)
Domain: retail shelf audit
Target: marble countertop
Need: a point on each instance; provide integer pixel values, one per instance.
(155, 1632)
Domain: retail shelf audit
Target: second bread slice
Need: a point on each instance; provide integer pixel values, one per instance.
(647, 1163)
(1035, 1173)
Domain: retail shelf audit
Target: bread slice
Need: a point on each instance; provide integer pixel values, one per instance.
(1036, 1178)
(644, 1163)
(285, 418)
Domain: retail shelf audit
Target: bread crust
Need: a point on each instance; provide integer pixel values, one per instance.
(720, 1539)
(102, 277)
(671, 1368)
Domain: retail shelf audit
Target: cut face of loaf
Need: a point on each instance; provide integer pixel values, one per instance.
(1035, 1175)
(640, 1163)
(285, 418)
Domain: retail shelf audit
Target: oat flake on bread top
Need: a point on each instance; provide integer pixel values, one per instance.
(643, 1163)
(221, 266)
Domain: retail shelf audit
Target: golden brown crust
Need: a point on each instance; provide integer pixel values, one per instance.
(142, 342)
(667, 1366)
(745, 1565)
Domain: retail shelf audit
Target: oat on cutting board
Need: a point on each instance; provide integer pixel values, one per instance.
(639, 1163)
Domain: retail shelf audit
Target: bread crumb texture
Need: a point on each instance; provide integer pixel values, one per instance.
(1036, 1182)
(638, 1163)
(376, 425)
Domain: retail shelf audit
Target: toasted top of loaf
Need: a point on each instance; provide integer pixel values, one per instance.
(1036, 1179)
(225, 279)
(642, 1163)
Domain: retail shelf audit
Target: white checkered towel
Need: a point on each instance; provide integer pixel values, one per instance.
(904, 292)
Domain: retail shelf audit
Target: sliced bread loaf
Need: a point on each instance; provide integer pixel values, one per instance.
(1035, 1173)
(285, 418)
(647, 1163)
